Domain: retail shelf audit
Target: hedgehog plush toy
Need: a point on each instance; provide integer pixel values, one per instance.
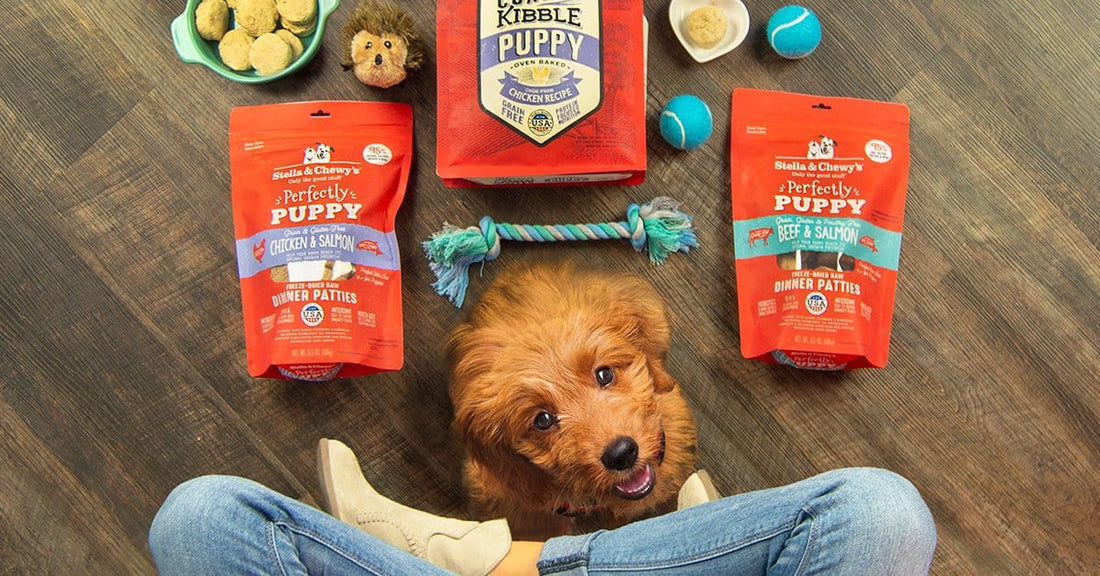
(380, 44)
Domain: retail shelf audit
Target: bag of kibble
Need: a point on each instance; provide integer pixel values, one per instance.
(316, 186)
(818, 197)
(540, 94)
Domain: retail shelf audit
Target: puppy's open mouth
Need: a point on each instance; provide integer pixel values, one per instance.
(638, 486)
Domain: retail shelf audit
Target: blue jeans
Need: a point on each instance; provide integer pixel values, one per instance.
(848, 521)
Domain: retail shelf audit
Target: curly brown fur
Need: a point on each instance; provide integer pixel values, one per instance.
(381, 18)
(535, 342)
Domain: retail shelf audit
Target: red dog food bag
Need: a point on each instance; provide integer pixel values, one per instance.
(316, 187)
(540, 93)
(818, 196)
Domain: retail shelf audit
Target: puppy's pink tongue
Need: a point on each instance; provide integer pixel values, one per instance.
(637, 486)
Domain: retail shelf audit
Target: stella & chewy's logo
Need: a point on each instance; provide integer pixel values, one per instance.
(312, 314)
(540, 64)
(821, 148)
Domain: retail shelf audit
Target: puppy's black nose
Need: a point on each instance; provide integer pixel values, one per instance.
(377, 59)
(620, 454)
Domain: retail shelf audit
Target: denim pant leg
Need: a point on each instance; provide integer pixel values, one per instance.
(849, 521)
(228, 525)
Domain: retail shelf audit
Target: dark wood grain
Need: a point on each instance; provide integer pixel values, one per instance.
(120, 320)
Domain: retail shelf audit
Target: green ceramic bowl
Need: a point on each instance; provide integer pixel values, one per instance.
(193, 49)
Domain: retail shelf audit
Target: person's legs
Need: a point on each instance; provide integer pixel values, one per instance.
(227, 525)
(850, 521)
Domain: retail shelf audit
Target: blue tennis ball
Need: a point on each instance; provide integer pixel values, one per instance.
(686, 122)
(794, 31)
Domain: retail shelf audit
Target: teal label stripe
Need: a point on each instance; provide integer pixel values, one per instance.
(772, 235)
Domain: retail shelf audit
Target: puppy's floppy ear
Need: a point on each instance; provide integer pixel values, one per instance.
(662, 381)
(464, 367)
(484, 440)
(469, 354)
(486, 429)
(640, 313)
(484, 419)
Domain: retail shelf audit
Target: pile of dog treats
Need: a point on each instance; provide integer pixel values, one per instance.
(262, 35)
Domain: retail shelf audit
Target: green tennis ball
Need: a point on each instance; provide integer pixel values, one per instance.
(794, 31)
(686, 122)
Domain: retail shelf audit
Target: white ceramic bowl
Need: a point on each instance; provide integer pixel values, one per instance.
(736, 30)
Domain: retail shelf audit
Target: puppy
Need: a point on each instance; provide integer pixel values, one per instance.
(563, 402)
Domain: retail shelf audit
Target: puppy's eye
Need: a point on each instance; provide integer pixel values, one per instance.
(370, 44)
(389, 44)
(604, 376)
(544, 421)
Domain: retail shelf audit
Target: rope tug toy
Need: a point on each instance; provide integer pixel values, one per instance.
(657, 227)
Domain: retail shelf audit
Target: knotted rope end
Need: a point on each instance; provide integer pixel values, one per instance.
(452, 250)
(667, 229)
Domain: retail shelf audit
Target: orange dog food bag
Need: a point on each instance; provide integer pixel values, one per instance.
(548, 93)
(818, 197)
(316, 187)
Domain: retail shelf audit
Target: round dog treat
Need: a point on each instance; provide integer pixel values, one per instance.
(212, 19)
(299, 28)
(234, 48)
(257, 17)
(270, 54)
(706, 26)
(293, 41)
(300, 11)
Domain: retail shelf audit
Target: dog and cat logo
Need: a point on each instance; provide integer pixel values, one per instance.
(318, 154)
(822, 148)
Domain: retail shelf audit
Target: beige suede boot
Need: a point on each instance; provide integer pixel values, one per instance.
(467, 548)
(697, 489)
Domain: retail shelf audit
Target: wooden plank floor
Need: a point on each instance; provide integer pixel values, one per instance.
(120, 320)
